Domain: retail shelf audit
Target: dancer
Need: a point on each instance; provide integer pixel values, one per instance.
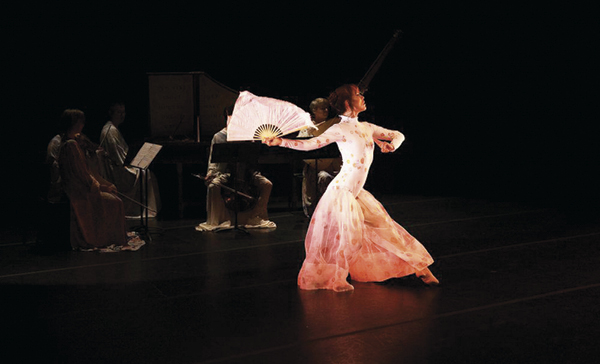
(350, 232)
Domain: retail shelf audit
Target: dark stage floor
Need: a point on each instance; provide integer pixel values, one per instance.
(520, 284)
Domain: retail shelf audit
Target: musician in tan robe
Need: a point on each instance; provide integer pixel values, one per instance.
(127, 179)
(97, 215)
(317, 173)
(218, 215)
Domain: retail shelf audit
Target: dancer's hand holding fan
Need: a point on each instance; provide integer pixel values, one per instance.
(259, 118)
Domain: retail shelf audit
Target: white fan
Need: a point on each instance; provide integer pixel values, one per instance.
(256, 118)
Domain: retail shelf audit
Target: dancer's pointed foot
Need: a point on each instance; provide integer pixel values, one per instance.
(427, 277)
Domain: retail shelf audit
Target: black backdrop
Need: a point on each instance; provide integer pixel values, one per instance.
(494, 100)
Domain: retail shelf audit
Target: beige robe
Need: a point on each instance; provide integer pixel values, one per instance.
(217, 214)
(128, 179)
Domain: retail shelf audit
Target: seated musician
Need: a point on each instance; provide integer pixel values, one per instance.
(97, 215)
(91, 151)
(317, 173)
(54, 229)
(114, 168)
(220, 211)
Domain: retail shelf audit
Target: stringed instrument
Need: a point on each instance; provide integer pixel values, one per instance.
(236, 199)
(240, 196)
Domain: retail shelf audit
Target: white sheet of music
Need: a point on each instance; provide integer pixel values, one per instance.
(146, 155)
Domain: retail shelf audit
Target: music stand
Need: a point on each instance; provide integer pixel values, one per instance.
(235, 153)
(142, 161)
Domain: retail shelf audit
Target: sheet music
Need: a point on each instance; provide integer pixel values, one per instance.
(146, 155)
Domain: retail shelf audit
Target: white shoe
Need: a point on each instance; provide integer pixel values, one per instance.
(207, 227)
(258, 223)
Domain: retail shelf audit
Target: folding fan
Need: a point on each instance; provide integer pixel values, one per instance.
(256, 117)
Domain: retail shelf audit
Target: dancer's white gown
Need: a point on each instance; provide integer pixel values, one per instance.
(350, 231)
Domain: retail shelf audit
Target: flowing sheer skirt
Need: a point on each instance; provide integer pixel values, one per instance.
(356, 236)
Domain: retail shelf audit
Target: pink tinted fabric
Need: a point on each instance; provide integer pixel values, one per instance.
(350, 232)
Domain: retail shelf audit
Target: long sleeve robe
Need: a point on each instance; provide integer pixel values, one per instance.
(350, 232)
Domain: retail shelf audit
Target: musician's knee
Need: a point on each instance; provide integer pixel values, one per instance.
(262, 181)
(267, 187)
